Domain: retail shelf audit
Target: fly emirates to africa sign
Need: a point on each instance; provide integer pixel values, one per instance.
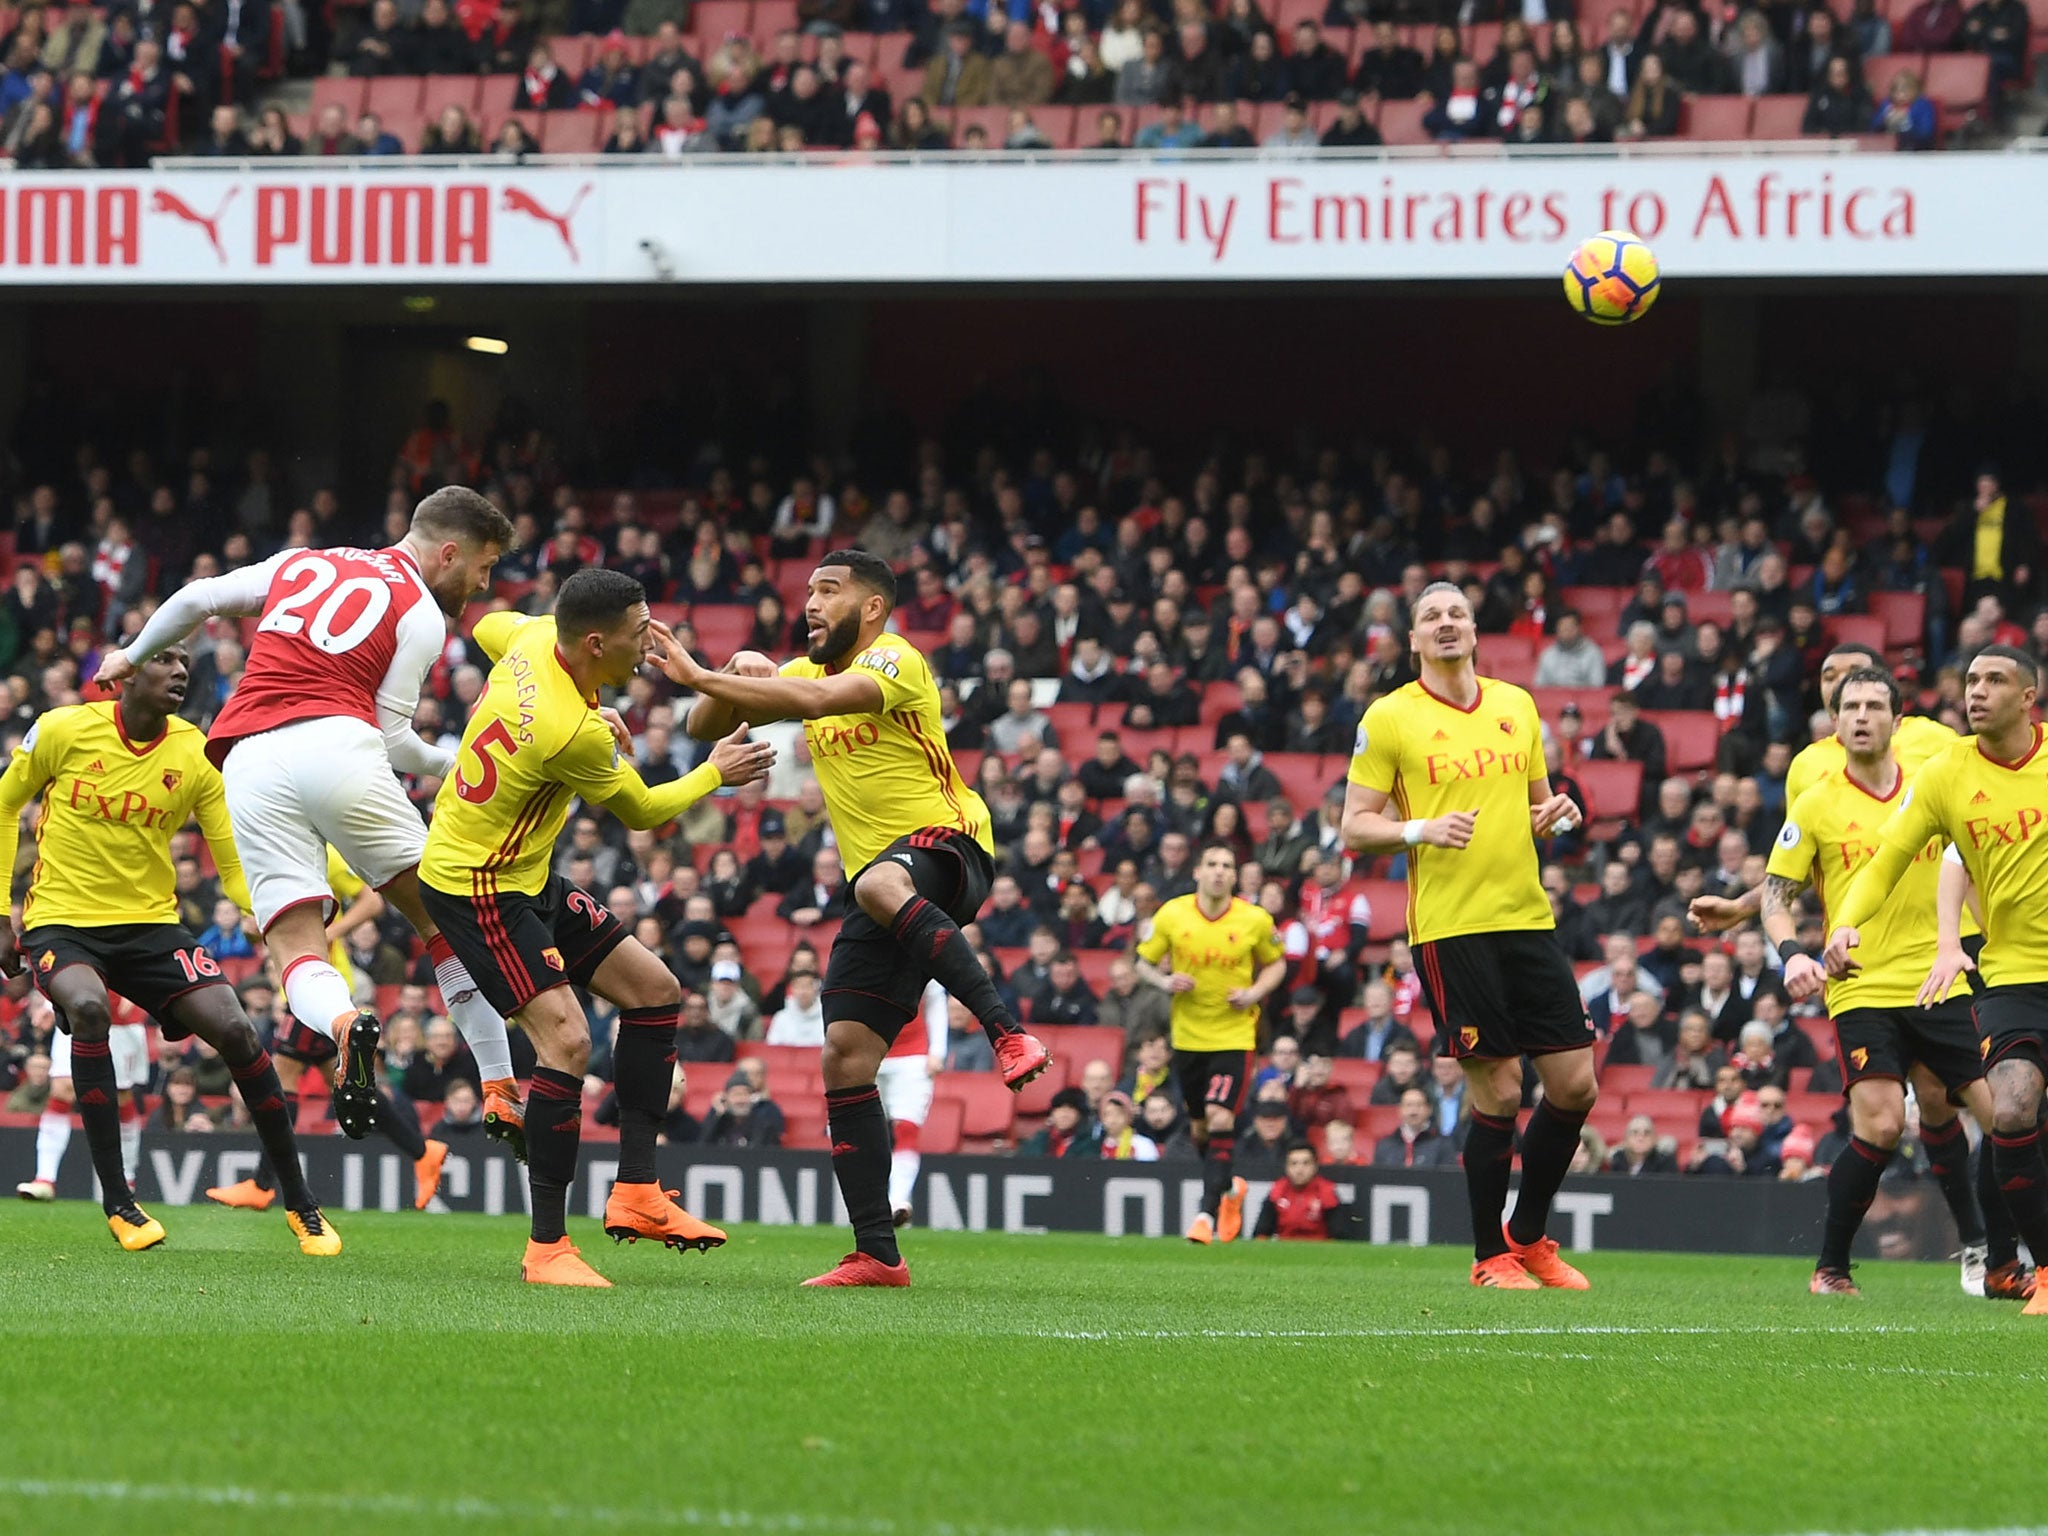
(835, 219)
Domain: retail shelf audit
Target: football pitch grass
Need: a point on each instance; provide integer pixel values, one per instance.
(1025, 1386)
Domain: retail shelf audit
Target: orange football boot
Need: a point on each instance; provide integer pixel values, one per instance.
(1230, 1212)
(1542, 1260)
(1832, 1282)
(558, 1263)
(635, 1211)
(1202, 1229)
(505, 1116)
(1504, 1272)
(245, 1196)
(426, 1172)
(2009, 1282)
(863, 1269)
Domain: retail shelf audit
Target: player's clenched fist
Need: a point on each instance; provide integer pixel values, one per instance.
(740, 761)
(750, 664)
(1452, 831)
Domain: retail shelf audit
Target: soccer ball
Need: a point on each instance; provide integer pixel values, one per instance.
(1611, 278)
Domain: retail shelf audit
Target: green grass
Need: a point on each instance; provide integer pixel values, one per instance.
(1025, 1385)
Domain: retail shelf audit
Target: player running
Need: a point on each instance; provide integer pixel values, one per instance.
(904, 1080)
(1989, 797)
(118, 779)
(915, 836)
(1882, 1036)
(535, 743)
(299, 1050)
(1460, 756)
(1223, 961)
(307, 744)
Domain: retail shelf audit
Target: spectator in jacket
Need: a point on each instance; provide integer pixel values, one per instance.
(1415, 1142)
(1629, 738)
(1994, 542)
(385, 47)
(1689, 58)
(1460, 112)
(1905, 113)
(438, 46)
(1756, 59)
(957, 75)
(1197, 73)
(1350, 130)
(1930, 27)
(1143, 81)
(1571, 660)
(1389, 69)
(1640, 1152)
(1998, 29)
(740, 1119)
(1839, 104)
(1381, 1032)
(1259, 73)
(1070, 1129)
(1021, 76)
(1315, 70)
(822, 898)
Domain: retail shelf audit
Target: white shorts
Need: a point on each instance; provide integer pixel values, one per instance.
(129, 1045)
(905, 1083)
(292, 791)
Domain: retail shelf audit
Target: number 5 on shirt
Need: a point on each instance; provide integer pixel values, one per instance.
(497, 734)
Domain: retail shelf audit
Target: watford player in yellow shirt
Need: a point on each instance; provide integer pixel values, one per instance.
(118, 779)
(916, 841)
(535, 743)
(1883, 1036)
(1222, 961)
(1989, 797)
(1450, 770)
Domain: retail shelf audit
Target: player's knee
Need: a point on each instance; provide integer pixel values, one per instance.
(1576, 1095)
(89, 1020)
(238, 1045)
(882, 890)
(1882, 1126)
(1221, 1121)
(572, 1056)
(2014, 1103)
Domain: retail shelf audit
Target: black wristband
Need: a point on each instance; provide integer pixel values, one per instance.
(1788, 949)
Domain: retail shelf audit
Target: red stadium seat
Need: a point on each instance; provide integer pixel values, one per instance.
(1357, 1078)
(578, 133)
(1856, 629)
(346, 94)
(942, 1126)
(1305, 776)
(1079, 1044)
(394, 96)
(1400, 122)
(1691, 737)
(801, 1059)
(1036, 1096)
(1139, 745)
(494, 95)
(442, 91)
(1613, 790)
(987, 1107)
(1620, 1081)
(1778, 117)
(804, 1126)
(1904, 615)
(1377, 1120)
(1957, 84)
(722, 628)
(1716, 118)
(1879, 69)
(772, 17)
(1659, 1103)
(1389, 899)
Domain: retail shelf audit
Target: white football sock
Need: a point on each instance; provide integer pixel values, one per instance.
(479, 1022)
(131, 1144)
(317, 995)
(902, 1177)
(53, 1135)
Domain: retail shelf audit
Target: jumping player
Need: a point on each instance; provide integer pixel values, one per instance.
(1460, 757)
(1222, 961)
(915, 836)
(118, 779)
(299, 1050)
(1987, 796)
(904, 1080)
(307, 744)
(534, 744)
(1883, 1036)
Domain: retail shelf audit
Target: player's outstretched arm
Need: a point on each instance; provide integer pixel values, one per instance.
(239, 592)
(212, 814)
(619, 788)
(1717, 914)
(25, 778)
(710, 720)
(758, 700)
(1367, 828)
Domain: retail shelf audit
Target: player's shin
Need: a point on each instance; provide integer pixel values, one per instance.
(2023, 1179)
(643, 1067)
(482, 1026)
(1852, 1185)
(1217, 1162)
(1548, 1147)
(934, 943)
(92, 1075)
(904, 1161)
(554, 1129)
(860, 1161)
(272, 1110)
(53, 1135)
(1948, 1155)
(1489, 1154)
(317, 996)
(400, 1123)
(2001, 1237)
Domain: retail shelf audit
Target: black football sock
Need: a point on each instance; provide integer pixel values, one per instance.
(1548, 1147)
(2001, 1238)
(1216, 1169)
(99, 1106)
(860, 1161)
(400, 1123)
(2023, 1180)
(554, 1129)
(935, 946)
(643, 1067)
(1948, 1154)
(1852, 1185)
(263, 1177)
(1489, 1153)
(272, 1109)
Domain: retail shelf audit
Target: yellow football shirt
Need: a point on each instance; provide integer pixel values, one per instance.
(533, 744)
(1996, 814)
(1222, 954)
(110, 805)
(1916, 740)
(347, 885)
(889, 774)
(1989, 543)
(1830, 835)
(1434, 758)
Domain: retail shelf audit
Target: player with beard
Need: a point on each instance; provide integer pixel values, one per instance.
(918, 842)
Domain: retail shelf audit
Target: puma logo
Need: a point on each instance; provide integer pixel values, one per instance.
(517, 201)
(174, 205)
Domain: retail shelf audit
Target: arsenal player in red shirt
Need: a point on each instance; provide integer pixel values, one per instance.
(1304, 1205)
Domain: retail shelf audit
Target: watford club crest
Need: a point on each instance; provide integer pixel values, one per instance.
(553, 956)
(49, 959)
(1469, 1037)
(1984, 1047)
(173, 777)
(1859, 1058)
(1507, 726)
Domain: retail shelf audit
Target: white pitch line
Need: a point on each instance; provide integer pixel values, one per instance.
(483, 1511)
(1424, 1335)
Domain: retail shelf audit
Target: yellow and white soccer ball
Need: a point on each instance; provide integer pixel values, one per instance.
(1612, 278)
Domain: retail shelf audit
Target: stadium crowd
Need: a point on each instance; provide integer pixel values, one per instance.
(1135, 662)
(119, 84)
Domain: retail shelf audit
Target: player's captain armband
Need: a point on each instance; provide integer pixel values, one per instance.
(1790, 835)
(882, 659)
